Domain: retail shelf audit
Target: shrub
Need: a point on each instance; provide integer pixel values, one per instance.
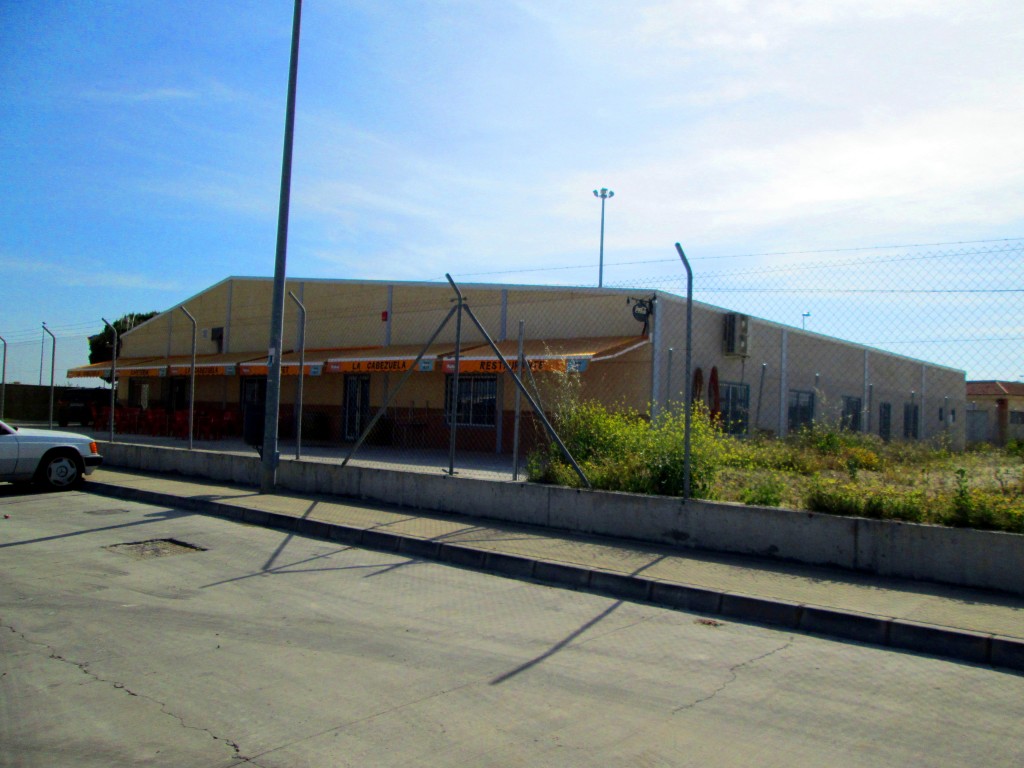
(889, 503)
(882, 503)
(978, 508)
(832, 497)
(767, 493)
(983, 510)
(822, 469)
(623, 451)
(862, 457)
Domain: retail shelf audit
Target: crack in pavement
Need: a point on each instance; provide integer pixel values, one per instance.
(84, 668)
(733, 676)
(366, 718)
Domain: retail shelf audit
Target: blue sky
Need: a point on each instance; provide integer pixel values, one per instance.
(141, 143)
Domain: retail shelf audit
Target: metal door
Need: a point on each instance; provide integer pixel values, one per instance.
(977, 426)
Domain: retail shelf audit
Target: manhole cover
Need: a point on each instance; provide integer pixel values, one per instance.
(143, 550)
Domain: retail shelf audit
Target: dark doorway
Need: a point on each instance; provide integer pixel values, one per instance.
(254, 417)
(254, 390)
(356, 405)
(179, 393)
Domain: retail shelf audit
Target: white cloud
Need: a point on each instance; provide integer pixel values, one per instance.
(125, 96)
(86, 275)
(714, 122)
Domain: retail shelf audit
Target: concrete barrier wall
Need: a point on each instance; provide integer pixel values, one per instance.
(972, 558)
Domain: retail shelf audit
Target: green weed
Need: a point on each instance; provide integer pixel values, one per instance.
(767, 493)
(822, 469)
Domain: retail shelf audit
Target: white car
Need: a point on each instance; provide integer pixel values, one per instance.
(58, 460)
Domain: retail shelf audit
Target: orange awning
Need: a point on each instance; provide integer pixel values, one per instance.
(545, 354)
(177, 365)
(315, 362)
(397, 358)
(224, 364)
(126, 366)
(541, 354)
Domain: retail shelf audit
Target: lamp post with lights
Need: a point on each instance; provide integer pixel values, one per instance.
(604, 194)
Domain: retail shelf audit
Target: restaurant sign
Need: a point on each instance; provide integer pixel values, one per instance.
(369, 366)
(559, 365)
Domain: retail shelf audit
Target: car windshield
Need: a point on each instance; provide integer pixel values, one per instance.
(5, 429)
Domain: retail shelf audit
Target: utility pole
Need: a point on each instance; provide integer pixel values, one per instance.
(268, 478)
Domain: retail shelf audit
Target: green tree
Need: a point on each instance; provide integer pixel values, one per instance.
(101, 346)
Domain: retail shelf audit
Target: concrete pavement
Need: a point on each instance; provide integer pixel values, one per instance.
(952, 622)
(238, 645)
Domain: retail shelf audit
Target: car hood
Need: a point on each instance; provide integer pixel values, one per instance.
(49, 434)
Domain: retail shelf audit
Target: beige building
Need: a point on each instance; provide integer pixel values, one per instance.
(995, 411)
(362, 340)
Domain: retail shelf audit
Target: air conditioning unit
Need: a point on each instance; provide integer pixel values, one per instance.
(736, 334)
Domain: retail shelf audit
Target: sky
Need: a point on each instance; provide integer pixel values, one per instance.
(141, 144)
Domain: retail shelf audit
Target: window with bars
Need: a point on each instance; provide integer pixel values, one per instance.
(851, 419)
(735, 407)
(476, 402)
(885, 421)
(911, 424)
(801, 409)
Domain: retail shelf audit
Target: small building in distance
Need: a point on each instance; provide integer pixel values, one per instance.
(628, 348)
(995, 411)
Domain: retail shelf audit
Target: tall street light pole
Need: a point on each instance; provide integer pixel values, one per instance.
(268, 475)
(604, 194)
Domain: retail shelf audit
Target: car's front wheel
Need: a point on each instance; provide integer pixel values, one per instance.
(60, 472)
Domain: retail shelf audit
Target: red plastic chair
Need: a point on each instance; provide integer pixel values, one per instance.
(155, 422)
(131, 419)
(209, 425)
(231, 423)
(179, 424)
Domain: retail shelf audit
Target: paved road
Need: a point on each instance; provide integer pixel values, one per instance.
(265, 648)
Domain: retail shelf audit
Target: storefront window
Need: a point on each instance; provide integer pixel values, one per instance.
(476, 400)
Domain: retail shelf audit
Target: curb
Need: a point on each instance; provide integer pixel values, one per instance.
(888, 632)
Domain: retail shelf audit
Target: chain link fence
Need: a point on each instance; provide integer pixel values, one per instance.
(882, 343)
(878, 341)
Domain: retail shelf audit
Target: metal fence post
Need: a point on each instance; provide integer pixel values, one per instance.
(519, 405)
(506, 366)
(454, 410)
(689, 378)
(302, 373)
(3, 378)
(401, 382)
(668, 384)
(113, 377)
(53, 356)
(192, 379)
(760, 396)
